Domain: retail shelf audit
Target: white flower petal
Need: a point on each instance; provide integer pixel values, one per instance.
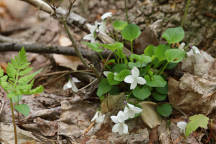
(190, 53)
(134, 108)
(141, 80)
(135, 72)
(95, 117)
(182, 126)
(67, 85)
(121, 116)
(116, 128)
(75, 80)
(106, 73)
(102, 28)
(92, 28)
(114, 119)
(129, 79)
(100, 118)
(89, 37)
(125, 128)
(195, 50)
(182, 45)
(133, 85)
(74, 87)
(106, 15)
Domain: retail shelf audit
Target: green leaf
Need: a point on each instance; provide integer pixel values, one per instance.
(103, 87)
(23, 109)
(162, 90)
(111, 80)
(160, 51)
(115, 90)
(174, 55)
(119, 67)
(156, 81)
(149, 50)
(195, 122)
(173, 35)
(164, 110)
(16, 98)
(12, 94)
(1, 72)
(26, 79)
(121, 76)
(159, 97)
(25, 71)
(171, 66)
(113, 47)
(141, 93)
(11, 71)
(37, 90)
(94, 46)
(131, 32)
(119, 25)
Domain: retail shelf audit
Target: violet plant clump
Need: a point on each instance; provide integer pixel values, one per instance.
(139, 76)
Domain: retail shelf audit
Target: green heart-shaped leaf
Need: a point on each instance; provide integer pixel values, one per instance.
(159, 97)
(173, 35)
(103, 87)
(174, 55)
(156, 81)
(121, 76)
(164, 110)
(141, 92)
(131, 32)
(119, 25)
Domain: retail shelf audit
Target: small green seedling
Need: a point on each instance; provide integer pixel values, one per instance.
(195, 122)
(18, 81)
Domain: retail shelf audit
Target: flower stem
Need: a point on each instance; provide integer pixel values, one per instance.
(185, 12)
(131, 46)
(163, 68)
(126, 11)
(13, 120)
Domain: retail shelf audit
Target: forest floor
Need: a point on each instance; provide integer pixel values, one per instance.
(62, 116)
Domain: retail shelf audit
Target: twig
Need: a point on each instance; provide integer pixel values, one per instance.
(2, 106)
(78, 52)
(88, 84)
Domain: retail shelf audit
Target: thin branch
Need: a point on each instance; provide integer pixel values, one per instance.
(79, 54)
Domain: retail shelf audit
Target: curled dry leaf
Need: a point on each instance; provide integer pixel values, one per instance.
(71, 62)
(195, 92)
(192, 94)
(7, 137)
(112, 103)
(149, 115)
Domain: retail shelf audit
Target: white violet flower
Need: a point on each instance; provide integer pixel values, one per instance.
(97, 27)
(106, 15)
(182, 45)
(134, 78)
(71, 84)
(194, 51)
(120, 126)
(131, 110)
(98, 117)
(182, 126)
